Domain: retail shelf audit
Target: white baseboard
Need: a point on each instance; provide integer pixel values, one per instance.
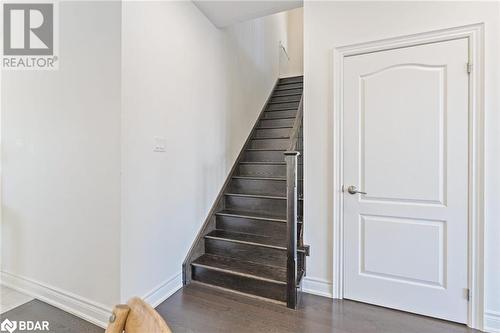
(88, 310)
(318, 287)
(164, 290)
(492, 321)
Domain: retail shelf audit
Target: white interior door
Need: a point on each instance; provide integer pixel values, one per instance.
(405, 125)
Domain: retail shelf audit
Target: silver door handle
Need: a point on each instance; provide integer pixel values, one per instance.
(354, 190)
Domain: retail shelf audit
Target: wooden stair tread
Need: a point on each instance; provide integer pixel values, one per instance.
(244, 268)
(289, 85)
(249, 195)
(288, 109)
(251, 239)
(252, 215)
(259, 178)
(263, 178)
(263, 162)
(265, 149)
(284, 83)
(287, 94)
(272, 138)
(278, 118)
(292, 86)
(273, 127)
(262, 196)
(283, 102)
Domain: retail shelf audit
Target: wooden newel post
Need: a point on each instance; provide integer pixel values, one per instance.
(291, 159)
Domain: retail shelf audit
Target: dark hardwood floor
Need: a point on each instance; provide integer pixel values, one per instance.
(198, 308)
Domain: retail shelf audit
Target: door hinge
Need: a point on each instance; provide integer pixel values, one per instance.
(467, 294)
(469, 67)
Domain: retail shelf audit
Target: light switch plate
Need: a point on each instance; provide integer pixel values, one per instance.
(160, 144)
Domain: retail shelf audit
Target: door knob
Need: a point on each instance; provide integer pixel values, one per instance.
(354, 190)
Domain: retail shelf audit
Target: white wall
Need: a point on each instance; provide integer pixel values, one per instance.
(253, 65)
(201, 89)
(61, 162)
(331, 24)
(295, 32)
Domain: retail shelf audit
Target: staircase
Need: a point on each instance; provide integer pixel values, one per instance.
(252, 242)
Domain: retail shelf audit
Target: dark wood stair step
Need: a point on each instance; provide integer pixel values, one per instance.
(292, 79)
(263, 133)
(286, 109)
(268, 143)
(282, 99)
(266, 149)
(272, 138)
(280, 106)
(289, 86)
(266, 186)
(263, 178)
(248, 239)
(273, 127)
(247, 269)
(263, 163)
(229, 291)
(252, 215)
(279, 114)
(291, 92)
(259, 178)
(259, 196)
(274, 122)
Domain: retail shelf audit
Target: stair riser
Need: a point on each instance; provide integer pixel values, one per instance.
(262, 205)
(266, 156)
(270, 144)
(291, 98)
(291, 79)
(287, 92)
(264, 170)
(257, 186)
(282, 87)
(240, 283)
(272, 133)
(251, 226)
(279, 114)
(247, 252)
(283, 106)
(276, 122)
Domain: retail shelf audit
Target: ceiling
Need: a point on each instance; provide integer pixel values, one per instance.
(225, 13)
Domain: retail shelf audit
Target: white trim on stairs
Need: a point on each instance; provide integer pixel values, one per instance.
(317, 287)
(164, 290)
(492, 321)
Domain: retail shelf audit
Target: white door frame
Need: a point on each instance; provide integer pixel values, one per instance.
(474, 34)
